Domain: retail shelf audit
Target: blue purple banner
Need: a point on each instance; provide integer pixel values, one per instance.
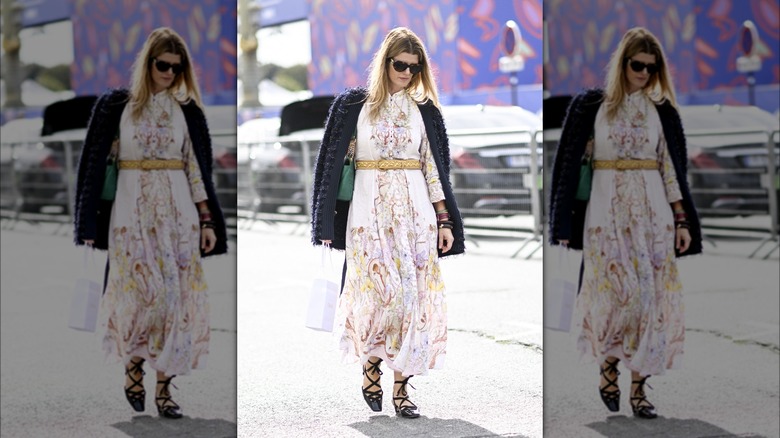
(700, 38)
(462, 38)
(108, 34)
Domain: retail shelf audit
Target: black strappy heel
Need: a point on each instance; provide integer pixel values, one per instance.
(373, 397)
(408, 410)
(168, 408)
(642, 408)
(136, 398)
(610, 397)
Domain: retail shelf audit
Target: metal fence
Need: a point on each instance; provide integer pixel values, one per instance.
(739, 200)
(497, 186)
(38, 179)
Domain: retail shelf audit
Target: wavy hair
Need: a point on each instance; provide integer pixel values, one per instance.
(185, 84)
(422, 86)
(658, 87)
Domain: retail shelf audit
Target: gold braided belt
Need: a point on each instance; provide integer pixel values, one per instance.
(388, 164)
(625, 164)
(151, 164)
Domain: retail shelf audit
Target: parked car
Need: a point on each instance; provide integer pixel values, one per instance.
(724, 170)
(253, 135)
(16, 134)
(490, 156)
(41, 167)
(490, 148)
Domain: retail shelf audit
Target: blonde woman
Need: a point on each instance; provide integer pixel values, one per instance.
(638, 218)
(164, 218)
(402, 218)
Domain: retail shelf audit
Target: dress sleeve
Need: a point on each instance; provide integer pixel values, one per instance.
(191, 168)
(431, 173)
(668, 174)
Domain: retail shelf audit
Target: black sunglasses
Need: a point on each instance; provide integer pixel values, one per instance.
(163, 66)
(639, 66)
(401, 67)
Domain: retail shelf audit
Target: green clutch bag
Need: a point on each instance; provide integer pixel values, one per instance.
(112, 171)
(109, 182)
(586, 173)
(347, 181)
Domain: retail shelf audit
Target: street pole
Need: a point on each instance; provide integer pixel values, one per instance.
(751, 81)
(513, 81)
(12, 24)
(247, 10)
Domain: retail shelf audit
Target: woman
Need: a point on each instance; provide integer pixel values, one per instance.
(165, 217)
(401, 219)
(640, 215)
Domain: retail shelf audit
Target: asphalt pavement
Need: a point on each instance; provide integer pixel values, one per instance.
(291, 379)
(728, 385)
(55, 380)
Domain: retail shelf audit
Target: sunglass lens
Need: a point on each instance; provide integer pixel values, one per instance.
(163, 67)
(639, 66)
(401, 67)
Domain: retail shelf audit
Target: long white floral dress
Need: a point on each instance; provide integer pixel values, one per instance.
(156, 305)
(393, 305)
(631, 297)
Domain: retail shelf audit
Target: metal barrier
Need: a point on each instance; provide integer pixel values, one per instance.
(275, 180)
(39, 177)
(717, 191)
(747, 195)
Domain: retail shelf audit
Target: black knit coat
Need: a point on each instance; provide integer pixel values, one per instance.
(329, 215)
(93, 215)
(567, 215)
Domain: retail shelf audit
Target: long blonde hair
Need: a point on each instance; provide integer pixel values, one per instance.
(422, 86)
(658, 87)
(185, 84)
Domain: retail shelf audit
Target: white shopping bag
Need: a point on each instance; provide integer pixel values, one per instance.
(560, 293)
(322, 298)
(85, 302)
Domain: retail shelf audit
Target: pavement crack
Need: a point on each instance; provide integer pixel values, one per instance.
(529, 345)
(717, 333)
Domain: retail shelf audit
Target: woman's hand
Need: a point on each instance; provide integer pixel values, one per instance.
(208, 239)
(682, 239)
(564, 242)
(445, 239)
(89, 242)
(326, 242)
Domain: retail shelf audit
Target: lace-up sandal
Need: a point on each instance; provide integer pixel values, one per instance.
(610, 397)
(136, 397)
(639, 404)
(373, 397)
(404, 409)
(166, 407)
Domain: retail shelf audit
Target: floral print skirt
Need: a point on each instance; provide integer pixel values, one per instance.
(392, 305)
(631, 297)
(155, 304)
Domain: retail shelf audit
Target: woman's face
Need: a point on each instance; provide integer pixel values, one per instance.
(162, 80)
(400, 80)
(638, 79)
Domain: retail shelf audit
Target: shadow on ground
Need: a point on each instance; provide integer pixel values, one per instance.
(630, 427)
(146, 426)
(384, 426)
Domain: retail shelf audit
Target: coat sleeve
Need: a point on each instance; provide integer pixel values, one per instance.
(201, 144)
(322, 229)
(91, 169)
(565, 172)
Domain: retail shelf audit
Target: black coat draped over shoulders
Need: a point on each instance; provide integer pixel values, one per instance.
(91, 215)
(567, 215)
(329, 215)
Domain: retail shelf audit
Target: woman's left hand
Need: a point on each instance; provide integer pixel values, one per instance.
(682, 239)
(208, 239)
(445, 239)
